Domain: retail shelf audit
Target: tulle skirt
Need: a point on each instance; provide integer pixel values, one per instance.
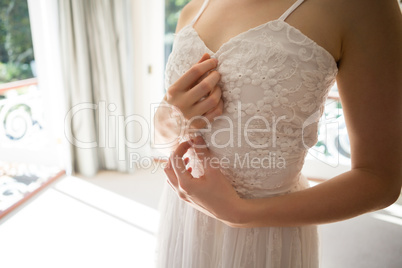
(190, 239)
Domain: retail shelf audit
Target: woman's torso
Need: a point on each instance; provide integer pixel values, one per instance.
(274, 80)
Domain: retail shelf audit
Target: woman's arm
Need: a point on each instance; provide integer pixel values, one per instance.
(370, 86)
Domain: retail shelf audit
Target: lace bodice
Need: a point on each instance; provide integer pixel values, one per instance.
(275, 81)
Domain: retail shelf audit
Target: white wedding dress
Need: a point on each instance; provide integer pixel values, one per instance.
(273, 78)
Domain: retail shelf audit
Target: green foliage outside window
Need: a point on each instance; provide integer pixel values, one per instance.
(172, 12)
(16, 50)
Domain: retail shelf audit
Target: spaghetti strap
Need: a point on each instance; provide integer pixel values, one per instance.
(204, 5)
(290, 10)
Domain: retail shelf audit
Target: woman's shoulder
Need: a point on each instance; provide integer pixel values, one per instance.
(357, 21)
(188, 12)
(372, 21)
(358, 13)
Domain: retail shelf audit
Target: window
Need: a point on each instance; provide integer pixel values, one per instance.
(21, 119)
(28, 155)
(331, 154)
(17, 61)
(172, 12)
(27, 103)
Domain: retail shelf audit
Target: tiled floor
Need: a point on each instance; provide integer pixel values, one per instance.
(111, 220)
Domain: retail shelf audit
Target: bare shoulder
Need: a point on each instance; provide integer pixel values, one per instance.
(188, 12)
(358, 9)
(367, 19)
(371, 31)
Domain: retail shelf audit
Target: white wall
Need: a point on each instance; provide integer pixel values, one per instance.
(148, 57)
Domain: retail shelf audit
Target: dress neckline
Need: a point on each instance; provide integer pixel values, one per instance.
(256, 28)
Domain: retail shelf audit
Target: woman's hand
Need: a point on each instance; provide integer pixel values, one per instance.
(196, 98)
(196, 93)
(211, 193)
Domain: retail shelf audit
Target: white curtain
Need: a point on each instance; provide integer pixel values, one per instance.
(97, 64)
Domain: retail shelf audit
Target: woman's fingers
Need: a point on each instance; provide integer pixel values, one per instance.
(189, 78)
(210, 102)
(177, 161)
(203, 88)
(201, 148)
(209, 162)
(215, 112)
(208, 115)
(196, 94)
(173, 181)
(204, 57)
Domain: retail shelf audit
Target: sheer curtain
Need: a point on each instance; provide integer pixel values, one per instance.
(96, 50)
